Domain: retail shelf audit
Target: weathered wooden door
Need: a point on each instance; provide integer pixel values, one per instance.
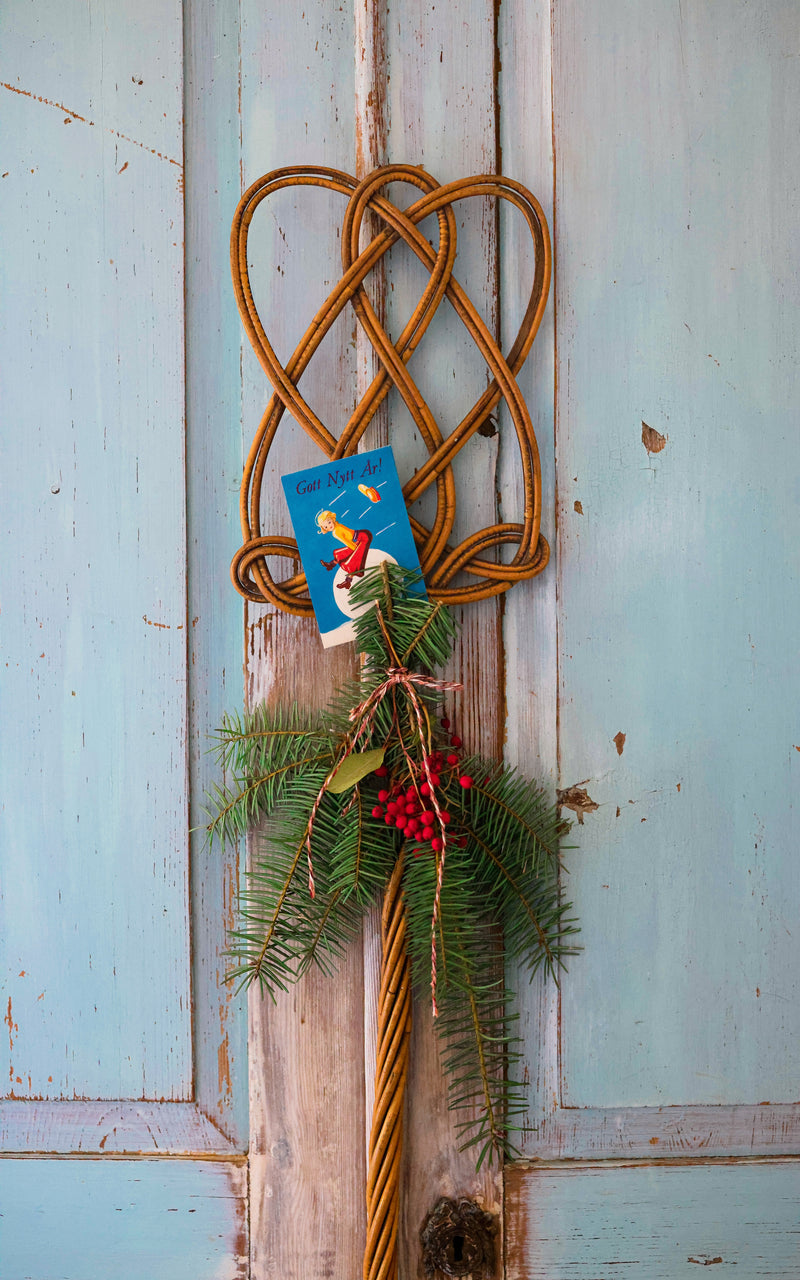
(648, 674)
(666, 1072)
(124, 1124)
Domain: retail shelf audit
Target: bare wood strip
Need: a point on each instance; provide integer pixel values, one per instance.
(435, 68)
(151, 1128)
(647, 1132)
(308, 1166)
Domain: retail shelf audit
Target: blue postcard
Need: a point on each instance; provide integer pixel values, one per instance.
(348, 516)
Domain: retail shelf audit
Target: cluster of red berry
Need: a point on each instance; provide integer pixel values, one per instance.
(408, 805)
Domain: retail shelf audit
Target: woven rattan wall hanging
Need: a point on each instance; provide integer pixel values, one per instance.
(377, 795)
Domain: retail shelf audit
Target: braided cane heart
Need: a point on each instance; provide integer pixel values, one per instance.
(440, 562)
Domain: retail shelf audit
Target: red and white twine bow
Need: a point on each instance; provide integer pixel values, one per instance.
(363, 717)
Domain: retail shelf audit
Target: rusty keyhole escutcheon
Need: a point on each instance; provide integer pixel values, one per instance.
(458, 1240)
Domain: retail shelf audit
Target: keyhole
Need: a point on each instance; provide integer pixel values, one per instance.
(458, 1248)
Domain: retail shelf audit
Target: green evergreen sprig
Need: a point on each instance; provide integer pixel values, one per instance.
(500, 890)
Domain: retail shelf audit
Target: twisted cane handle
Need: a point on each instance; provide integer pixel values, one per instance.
(391, 1073)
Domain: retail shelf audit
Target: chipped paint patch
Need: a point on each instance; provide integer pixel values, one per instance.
(619, 742)
(578, 800)
(652, 440)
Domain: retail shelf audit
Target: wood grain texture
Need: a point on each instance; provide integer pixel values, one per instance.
(106, 1128)
(678, 311)
(167, 1220)
(441, 115)
(93, 755)
(663, 1222)
(464, 84)
(576, 1133)
(214, 462)
(306, 1051)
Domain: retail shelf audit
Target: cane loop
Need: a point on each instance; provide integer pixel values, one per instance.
(475, 556)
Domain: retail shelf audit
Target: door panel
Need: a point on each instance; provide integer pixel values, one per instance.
(126, 1219)
(214, 455)
(679, 297)
(674, 1033)
(110, 1049)
(661, 1222)
(666, 630)
(94, 755)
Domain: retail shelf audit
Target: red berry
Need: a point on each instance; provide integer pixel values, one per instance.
(434, 779)
(451, 759)
(400, 821)
(377, 812)
(389, 820)
(382, 771)
(425, 789)
(427, 833)
(445, 817)
(455, 741)
(383, 796)
(445, 723)
(391, 807)
(466, 781)
(436, 844)
(412, 826)
(462, 842)
(428, 816)
(411, 794)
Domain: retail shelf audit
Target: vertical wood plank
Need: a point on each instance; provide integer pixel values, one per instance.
(93, 759)
(526, 146)
(306, 1055)
(441, 115)
(214, 465)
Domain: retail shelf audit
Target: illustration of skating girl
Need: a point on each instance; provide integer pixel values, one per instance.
(352, 555)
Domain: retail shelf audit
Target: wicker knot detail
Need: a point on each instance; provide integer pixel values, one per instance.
(475, 556)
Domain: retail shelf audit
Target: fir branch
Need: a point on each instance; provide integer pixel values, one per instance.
(311, 955)
(241, 800)
(244, 739)
(423, 631)
(506, 873)
(496, 1129)
(545, 944)
(364, 850)
(473, 1018)
(256, 968)
(387, 590)
(546, 816)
